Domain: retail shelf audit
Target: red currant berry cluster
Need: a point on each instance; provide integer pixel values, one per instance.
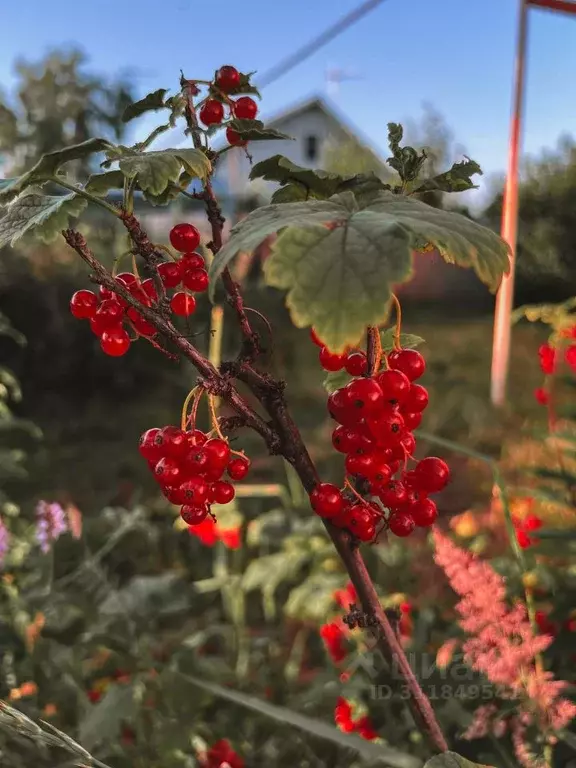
(352, 361)
(376, 415)
(213, 109)
(110, 315)
(189, 467)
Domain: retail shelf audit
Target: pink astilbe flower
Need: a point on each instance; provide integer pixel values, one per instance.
(4, 540)
(501, 644)
(50, 524)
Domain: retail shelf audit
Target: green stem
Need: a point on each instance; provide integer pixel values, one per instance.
(87, 195)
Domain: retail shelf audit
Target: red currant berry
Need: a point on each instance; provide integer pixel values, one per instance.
(147, 445)
(115, 342)
(141, 325)
(411, 420)
(339, 409)
(245, 108)
(127, 279)
(393, 494)
(409, 361)
(238, 468)
(196, 438)
(401, 524)
(184, 237)
(380, 474)
(361, 522)
(106, 293)
(168, 471)
(218, 452)
(211, 113)
(194, 515)
(83, 305)
(170, 273)
(196, 462)
(365, 396)
(408, 443)
(194, 491)
(221, 492)
(417, 399)
(356, 364)
(109, 313)
(182, 304)
(192, 261)
(172, 441)
(330, 361)
(344, 439)
(431, 474)
(316, 339)
(327, 500)
(149, 290)
(387, 427)
(342, 518)
(424, 513)
(234, 138)
(227, 78)
(196, 280)
(395, 386)
(362, 465)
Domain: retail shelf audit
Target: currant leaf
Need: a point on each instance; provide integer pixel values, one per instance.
(336, 380)
(45, 216)
(457, 179)
(407, 340)
(152, 102)
(100, 184)
(406, 161)
(104, 720)
(156, 170)
(48, 165)
(452, 760)
(282, 170)
(255, 130)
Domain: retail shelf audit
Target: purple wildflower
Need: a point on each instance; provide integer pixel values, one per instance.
(4, 540)
(50, 524)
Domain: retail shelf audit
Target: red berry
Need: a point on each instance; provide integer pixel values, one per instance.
(411, 420)
(424, 512)
(147, 445)
(106, 293)
(542, 396)
(194, 491)
(190, 261)
(238, 468)
(417, 399)
(184, 237)
(339, 409)
(234, 138)
(327, 500)
(109, 313)
(211, 113)
(83, 305)
(127, 279)
(408, 443)
(330, 361)
(173, 442)
(182, 304)
(196, 438)
(315, 338)
(141, 325)
(149, 290)
(380, 473)
(401, 524)
(431, 474)
(227, 78)
(409, 362)
(547, 356)
(168, 471)
(532, 523)
(170, 273)
(196, 462)
(364, 395)
(245, 108)
(196, 280)
(218, 452)
(393, 494)
(193, 515)
(222, 492)
(361, 522)
(387, 427)
(395, 386)
(356, 364)
(115, 342)
(362, 465)
(344, 439)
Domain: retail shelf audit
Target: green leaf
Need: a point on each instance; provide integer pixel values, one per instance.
(104, 720)
(48, 165)
(556, 533)
(407, 340)
(457, 179)
(406, 161)
(171, 192)
(281, 169)
(292, 193)
(336, 380)
(452, 760)
(156, 170)
(43, 215)
(255, 130)
(7, 330)
(152, 102)
(379, 752)
(244, 86)
(101, 183)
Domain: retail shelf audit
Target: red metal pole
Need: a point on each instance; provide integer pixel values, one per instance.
(566, 6)
(509, 229)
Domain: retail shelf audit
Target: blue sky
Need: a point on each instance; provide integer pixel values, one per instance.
(455, 54)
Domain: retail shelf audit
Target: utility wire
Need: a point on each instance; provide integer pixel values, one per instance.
(318, 42)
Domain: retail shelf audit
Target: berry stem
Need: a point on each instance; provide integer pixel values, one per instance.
(351, 488)
(214, 417)
(398, 309)
(194, 393)
(87, 195)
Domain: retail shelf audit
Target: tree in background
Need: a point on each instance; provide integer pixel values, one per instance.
(56, 102)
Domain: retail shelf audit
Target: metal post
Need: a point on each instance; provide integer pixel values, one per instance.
(509, 229)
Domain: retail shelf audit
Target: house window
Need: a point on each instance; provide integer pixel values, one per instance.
(311, 148)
